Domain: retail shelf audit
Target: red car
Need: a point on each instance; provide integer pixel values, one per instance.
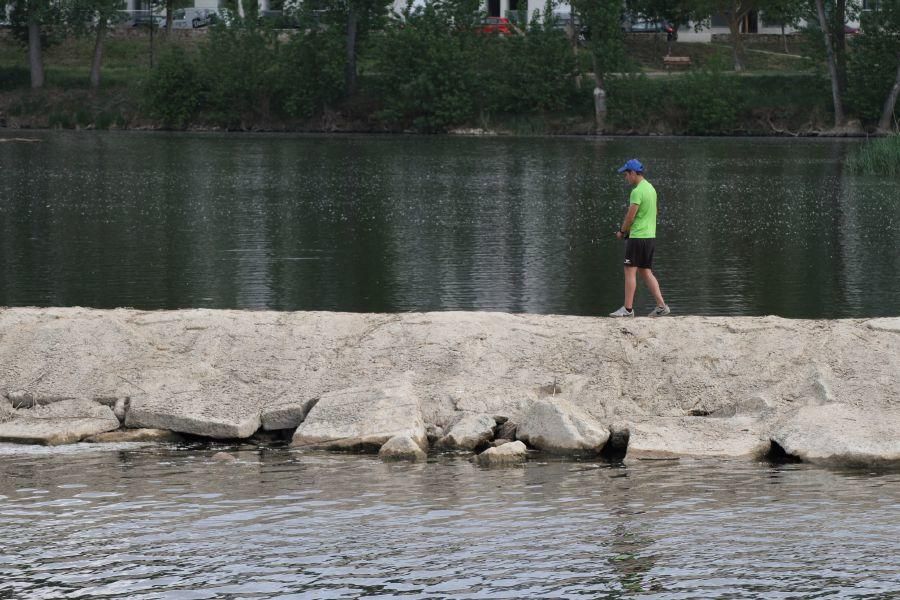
(495, 25)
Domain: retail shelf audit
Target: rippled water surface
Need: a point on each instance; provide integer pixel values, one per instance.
(394, 223)
(156, 522)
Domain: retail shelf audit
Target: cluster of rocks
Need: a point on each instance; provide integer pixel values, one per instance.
(825, 392)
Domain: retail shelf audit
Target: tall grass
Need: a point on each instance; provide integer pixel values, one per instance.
(877, 157)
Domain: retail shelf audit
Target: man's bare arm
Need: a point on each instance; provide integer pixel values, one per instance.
(629, 217)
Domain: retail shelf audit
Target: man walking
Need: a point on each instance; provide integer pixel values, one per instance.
(639, 232)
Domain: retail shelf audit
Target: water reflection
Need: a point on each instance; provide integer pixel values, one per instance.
(747, 227)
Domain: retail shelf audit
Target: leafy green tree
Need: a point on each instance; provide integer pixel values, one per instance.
(873, 68)
(786, 13)
(92, 17)
(606, 47)
(357, 19)
(429, 65)
(676, 12)
(734, 11)
(36, 24)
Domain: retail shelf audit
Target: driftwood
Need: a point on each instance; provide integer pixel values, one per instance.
(27, 140)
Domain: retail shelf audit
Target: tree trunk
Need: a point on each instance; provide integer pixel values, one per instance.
(887, 115)
(839, 119)
(350, 72)
(98, 53)
(170, 8)
(35, 60)
(600, 110)
(734, 24)
(839, 39)
(240, 7)
(784, 39)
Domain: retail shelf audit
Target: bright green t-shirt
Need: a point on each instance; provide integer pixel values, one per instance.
(644, 226)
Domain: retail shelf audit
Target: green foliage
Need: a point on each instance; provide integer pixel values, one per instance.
(710, 102)
(435, 71)
(871, 71)
(312, 72)
(428, 70)
(240, 72)
(877, 157)
(174, 92)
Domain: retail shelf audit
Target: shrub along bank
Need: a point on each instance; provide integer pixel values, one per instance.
(423, 77)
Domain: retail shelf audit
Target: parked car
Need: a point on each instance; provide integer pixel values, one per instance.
(495, 26)
(155, 21)
(194, 18)
(649, 26)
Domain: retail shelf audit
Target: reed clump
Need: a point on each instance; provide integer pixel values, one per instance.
(877, 157)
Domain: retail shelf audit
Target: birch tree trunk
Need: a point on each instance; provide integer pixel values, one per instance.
(839, 118)
(734, 25)
(35, 60)
(887, 115)
(600, 109)
(98, 53)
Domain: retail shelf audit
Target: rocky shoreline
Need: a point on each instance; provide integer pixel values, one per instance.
(497, 386)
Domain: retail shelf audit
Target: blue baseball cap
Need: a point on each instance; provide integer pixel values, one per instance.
(632, 165)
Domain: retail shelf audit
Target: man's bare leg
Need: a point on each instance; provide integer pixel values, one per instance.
(652, 285)
(630, 286)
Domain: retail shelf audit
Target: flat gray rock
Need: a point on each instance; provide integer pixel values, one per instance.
(558, 426)
(839, 434)
(696, 436)
(64, 422)
(134, 435)
(891, 324)
(469, 432)
(363, 418)
(206, 408)
(401, 447)
(508, 454)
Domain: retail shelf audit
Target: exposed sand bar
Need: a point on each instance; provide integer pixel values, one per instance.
(825, 390)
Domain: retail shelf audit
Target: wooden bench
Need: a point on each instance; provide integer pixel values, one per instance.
(676, 61)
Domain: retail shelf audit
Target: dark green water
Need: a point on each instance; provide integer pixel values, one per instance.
(747, 226)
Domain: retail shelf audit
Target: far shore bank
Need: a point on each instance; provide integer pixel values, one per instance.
(820, 391)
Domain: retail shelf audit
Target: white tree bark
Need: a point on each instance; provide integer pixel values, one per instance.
(35, 59)
(887, 115)
(839, 118)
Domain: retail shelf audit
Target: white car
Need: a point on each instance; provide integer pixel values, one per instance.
(194, 18)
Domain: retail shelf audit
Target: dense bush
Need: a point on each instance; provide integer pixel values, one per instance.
(240, 72)
(870, 72)
(174, 92)
(434, 72)
(311, 69)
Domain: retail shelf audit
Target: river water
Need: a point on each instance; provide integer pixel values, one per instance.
(396, 223)
(747, 227)
(157, 522)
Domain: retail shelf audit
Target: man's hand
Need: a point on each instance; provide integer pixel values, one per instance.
(619, 235)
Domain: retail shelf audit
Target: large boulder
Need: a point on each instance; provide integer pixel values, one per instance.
(839, 434)
(508, 454)
(559, 427)
(64, 422)
(469, 433)
(401, 447)
(363, 418)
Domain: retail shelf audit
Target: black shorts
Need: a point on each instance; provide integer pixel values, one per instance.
(639, 252)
